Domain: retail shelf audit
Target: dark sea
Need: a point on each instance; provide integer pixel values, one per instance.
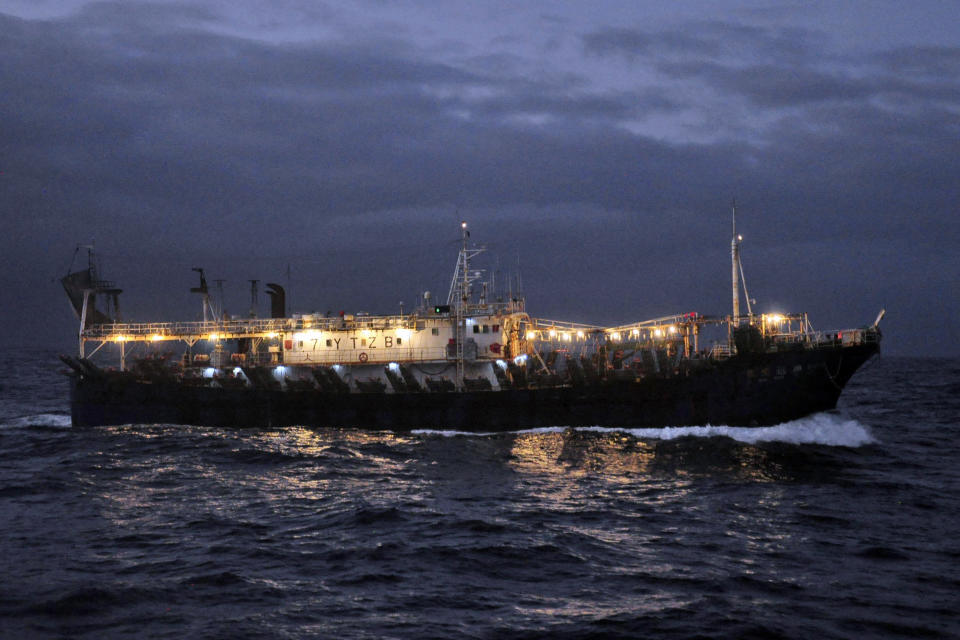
(841, 525)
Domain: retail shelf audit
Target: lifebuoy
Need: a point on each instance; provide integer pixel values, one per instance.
(363, 357)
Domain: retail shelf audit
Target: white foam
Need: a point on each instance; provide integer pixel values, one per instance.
(820, 428)
(55, 420)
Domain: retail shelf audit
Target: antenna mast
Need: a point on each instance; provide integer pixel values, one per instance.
(459, 296)
(735, 265)
(736, 268)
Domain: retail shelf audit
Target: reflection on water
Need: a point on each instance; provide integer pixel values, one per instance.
(619, 455)
(783, 452)
(298, 467)
(612, 454)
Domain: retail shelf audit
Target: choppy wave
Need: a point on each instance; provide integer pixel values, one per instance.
(590, 532)
(822, 428)
(54, 420)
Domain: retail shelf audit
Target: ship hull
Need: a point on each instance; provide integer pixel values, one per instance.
(750, 390)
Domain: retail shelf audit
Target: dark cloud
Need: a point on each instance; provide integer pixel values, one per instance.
(704, 40)
(773, 86)
(925, 61)
(633, 43)
(352, 159)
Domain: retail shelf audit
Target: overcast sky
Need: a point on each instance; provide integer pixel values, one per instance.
(597, 144)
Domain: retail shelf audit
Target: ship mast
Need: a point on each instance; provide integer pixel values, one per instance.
(82, 289)
(463, 264)
(736, 271)
(459, 296)
(735, 264)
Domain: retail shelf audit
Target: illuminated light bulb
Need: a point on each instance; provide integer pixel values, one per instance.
(531, 335)
(553, 333)
(580, 334)
(213, 337)
(156, 337)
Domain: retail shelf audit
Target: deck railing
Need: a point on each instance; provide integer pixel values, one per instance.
(238, 328)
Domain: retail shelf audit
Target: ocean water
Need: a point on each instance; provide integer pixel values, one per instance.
(841, 525)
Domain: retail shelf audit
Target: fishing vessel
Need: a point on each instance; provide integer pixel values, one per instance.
(466, 362)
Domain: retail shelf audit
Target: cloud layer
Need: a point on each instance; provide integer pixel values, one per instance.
(173, 136)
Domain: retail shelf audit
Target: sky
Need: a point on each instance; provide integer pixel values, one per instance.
(593, 148)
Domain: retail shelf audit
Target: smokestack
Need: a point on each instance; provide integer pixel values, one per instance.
(278, 300)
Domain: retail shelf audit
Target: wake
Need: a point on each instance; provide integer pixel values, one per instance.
(53, 420)
(820, 428)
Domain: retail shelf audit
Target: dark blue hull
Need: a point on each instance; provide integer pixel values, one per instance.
(749, 390)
